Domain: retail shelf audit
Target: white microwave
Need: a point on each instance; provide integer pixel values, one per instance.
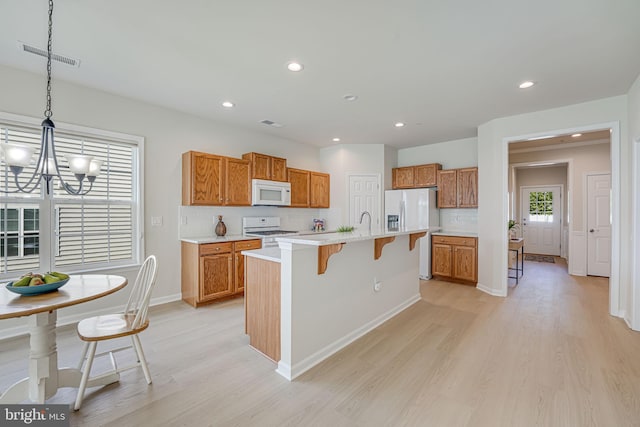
(270, 193)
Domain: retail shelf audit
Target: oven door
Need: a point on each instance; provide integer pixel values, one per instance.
(270, 193)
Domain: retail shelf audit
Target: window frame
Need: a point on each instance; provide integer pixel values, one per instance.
(46, 204)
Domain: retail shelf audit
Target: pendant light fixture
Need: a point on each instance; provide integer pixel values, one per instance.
(47, 168)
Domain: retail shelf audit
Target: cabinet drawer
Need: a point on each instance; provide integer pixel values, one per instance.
(455, 240)
(215, 248)
(245, 245)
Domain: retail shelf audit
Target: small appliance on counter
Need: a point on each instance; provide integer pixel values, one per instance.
(411, 209)
(266, 227)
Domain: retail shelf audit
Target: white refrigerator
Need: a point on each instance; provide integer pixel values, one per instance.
(411, 209)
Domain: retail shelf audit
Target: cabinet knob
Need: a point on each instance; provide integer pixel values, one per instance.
(217, 249)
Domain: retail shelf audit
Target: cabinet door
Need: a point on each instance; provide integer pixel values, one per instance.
(201, 179)
(260, 165)
(278, 169)
(465, 260)
(441, 260)
(238, 247)
(403, 177)
(468, 188)
(319, 190)
(237, 182)
(299, 180)
(426, 175)
(216, 276)
(447, 188)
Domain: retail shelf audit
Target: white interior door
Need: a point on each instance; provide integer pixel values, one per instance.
(599, 225)
(364, 195)
(541, 219)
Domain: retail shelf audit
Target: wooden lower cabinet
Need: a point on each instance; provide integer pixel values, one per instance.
(211, 271)
(455, 258)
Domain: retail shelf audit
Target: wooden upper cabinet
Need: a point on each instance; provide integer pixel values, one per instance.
(202, 179)
(458, 188)
(426, 175)
(419, 176)
(278, 169)
(402, 177)
(237, 182)
(447, 188)
(267, 167)
(319, 190)
(211, 180)
(468, 188)
(300, 187)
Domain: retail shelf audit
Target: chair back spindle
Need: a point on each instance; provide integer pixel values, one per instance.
(138, 303)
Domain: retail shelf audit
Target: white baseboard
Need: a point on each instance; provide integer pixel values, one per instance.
(291, 372)
(17, 331)
(491, 291)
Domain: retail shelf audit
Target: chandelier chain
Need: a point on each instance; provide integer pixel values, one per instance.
(48, 113)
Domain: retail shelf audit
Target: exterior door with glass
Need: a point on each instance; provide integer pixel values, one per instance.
(541, 219)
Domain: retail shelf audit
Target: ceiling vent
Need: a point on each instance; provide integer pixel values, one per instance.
(271, 123)
(43, 52)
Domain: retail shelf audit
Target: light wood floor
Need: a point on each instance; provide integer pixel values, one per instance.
(548, 355)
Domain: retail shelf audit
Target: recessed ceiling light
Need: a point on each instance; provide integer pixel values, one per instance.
(350, 97)
(575, 135)
(294, 66)
(336, 139)
(228, 104)
(399, 124)
(525, 85)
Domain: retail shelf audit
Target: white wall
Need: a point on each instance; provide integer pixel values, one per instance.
(492, 164)
(344, 159)
(459, 153)
(167, 135)
(632, 306)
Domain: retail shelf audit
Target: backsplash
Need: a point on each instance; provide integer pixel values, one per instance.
(459, 219)
(200, 221)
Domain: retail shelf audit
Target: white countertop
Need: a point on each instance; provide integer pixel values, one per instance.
(268, 254)
(455, 233)
(216, 239)
(354, 236)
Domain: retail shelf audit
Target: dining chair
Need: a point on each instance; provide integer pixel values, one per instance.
(128, 323)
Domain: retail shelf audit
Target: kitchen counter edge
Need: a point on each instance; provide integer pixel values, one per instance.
(214, 239)
(455, 233)
(355, 236)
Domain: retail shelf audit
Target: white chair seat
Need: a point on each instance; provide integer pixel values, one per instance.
(109, 326)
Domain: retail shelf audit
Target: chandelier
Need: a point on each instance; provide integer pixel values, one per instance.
(47, 167)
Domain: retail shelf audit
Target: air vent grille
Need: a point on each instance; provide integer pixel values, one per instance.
(271, 123)
(54, 56)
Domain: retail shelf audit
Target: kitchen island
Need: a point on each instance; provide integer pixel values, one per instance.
(334, 288)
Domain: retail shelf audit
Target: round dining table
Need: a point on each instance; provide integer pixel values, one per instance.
(45, 377)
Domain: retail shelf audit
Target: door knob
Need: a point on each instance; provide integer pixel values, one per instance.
(592, 230)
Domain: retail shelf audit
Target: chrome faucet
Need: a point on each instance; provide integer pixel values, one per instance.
(362, 217)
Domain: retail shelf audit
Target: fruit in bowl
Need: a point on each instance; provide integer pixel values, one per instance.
(35, 279)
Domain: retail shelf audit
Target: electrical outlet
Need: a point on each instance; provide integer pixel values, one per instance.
(377, 286)
(156, 221)
(183, 220)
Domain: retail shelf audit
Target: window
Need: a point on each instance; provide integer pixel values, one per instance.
(102, 229)
(541, 206)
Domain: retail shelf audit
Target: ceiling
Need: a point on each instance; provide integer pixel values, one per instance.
(443, 68)
(561, 141)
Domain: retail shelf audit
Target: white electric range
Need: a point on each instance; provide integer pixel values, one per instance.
(266, 227)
